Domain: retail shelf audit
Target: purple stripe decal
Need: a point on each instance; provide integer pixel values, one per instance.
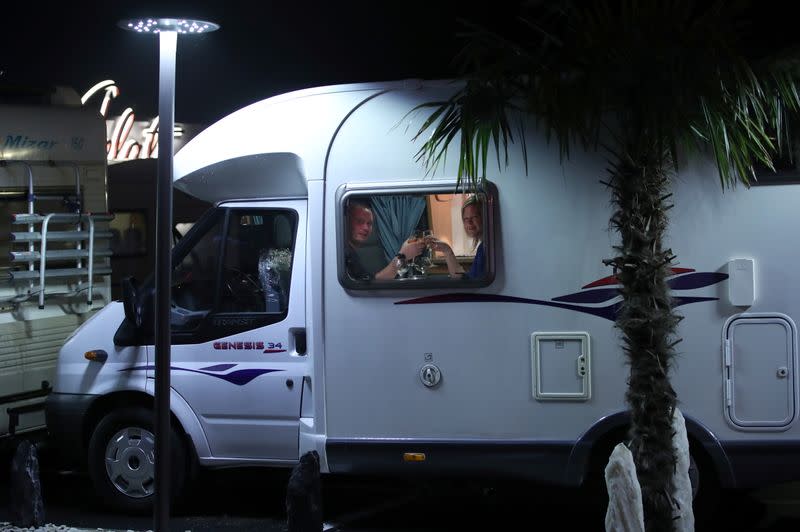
(239, 377)
(684, 282)
(685, 300)
(590, 296)
(243, 376)
(608, 312)
(612, 279)
(218, 367)
(696, 280)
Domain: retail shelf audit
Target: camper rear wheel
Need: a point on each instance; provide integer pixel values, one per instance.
(702, 474)
(706, 489)
(121, 460)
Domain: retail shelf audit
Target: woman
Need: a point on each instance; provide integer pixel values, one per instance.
(472, 218)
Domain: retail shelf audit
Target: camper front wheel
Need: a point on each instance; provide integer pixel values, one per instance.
(121, 460)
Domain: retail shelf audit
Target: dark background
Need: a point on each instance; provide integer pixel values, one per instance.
(263, 47)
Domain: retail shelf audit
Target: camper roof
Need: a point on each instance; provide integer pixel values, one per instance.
(276, 145)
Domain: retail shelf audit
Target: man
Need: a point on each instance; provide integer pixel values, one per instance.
(360, 222)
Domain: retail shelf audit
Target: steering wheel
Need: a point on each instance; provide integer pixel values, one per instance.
(242, 287)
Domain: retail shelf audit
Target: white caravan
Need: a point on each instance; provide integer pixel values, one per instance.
(54, 257)
(517, 371)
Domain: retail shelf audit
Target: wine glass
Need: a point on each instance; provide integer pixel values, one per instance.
(426, 257)
(402, 268)
(423, 261)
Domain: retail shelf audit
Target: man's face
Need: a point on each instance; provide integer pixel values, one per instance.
(360, 225)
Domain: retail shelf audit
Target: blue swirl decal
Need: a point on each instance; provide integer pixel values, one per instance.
(685, 300)
(684, 282)
(696, 280)
(239, 377)
(573, 301)
(590, 296)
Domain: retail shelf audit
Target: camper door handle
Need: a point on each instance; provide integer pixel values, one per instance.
(299, 341)
(581, 366)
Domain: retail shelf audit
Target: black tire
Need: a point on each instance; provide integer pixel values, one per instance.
(593, 490)
(706, 490)
(702, 474)
(124, 482)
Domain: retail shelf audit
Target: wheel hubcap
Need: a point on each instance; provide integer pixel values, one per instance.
(130, 462)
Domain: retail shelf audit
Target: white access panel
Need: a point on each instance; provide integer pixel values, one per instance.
(759, 359)
(561, 366)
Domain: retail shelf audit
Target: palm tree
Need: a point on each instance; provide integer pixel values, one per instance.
(648, 82)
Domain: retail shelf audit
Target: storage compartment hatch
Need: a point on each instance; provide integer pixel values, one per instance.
(759, 371)
(561, 366)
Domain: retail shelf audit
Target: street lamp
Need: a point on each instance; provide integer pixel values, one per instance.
(167, 30)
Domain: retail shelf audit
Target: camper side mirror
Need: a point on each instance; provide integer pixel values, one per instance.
(130, 301)
(137, 324)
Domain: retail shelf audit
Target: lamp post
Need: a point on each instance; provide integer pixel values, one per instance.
(167, 30)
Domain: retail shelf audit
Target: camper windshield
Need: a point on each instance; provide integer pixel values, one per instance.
(193, 277)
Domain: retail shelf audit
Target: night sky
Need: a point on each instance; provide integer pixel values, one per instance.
(262, 49)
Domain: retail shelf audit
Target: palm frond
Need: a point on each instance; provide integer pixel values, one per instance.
(749, 126)
(480, 115)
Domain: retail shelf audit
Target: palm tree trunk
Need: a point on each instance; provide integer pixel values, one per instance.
(640, 187)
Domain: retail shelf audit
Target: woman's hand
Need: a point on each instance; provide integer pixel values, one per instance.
(453, 267)
(439, 245)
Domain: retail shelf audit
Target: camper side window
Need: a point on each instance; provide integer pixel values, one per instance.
(233, 273)
(393, 239)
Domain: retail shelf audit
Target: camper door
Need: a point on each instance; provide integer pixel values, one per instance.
(238, 322)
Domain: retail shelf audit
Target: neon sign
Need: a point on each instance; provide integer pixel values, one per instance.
(126, 138)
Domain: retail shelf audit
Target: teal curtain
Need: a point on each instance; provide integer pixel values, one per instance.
(396, 217)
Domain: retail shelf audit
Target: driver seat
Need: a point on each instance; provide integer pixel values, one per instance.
(275, 267)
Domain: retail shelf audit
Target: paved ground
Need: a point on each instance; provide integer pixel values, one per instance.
(252, 500)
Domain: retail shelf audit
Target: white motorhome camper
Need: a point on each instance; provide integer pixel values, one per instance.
(280, 349)
(54, 250)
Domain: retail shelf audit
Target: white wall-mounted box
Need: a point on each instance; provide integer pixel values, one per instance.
(741, 283)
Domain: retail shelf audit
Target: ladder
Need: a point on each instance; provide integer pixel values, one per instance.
(80, 228)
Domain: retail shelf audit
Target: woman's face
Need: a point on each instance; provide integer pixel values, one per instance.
(473, 224)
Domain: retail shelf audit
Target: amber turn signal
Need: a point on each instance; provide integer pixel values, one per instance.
(97, 355)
